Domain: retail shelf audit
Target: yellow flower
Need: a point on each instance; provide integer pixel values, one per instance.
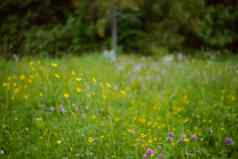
(17, 90)
(91, 140)
(141, 120)
(122, 92)
(26, 97)
(57, 75)
(66, 95)
(54, 65)
(41, 94)
(78, 89)
(94, 80)
(73, 73)
(29, 81)
(14, 84)
(5, 84)
(130, 130)
(22, 77)
(108, 85)
(142, 135)
(94, 117)
(59, 142)
(78, 79)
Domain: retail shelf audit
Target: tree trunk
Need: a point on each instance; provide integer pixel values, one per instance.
(114, 31)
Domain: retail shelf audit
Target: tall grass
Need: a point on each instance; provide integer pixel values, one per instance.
(87, 107)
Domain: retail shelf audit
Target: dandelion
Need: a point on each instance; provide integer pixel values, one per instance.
(149, 153)
(91, 140)
(78, 79)
(228, 141)
(141, 120)
(66, 95)
(22, 77)
(29, 81)
(78, 89)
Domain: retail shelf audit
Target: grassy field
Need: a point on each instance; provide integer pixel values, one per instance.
(90, 108)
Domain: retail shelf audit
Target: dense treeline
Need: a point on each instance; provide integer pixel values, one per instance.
(73, 26)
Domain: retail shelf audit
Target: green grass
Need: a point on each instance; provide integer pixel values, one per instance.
(89, 108)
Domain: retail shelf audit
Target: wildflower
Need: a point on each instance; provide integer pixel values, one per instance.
(130, 130)
(59, 142)
(29, 81)
(52, 109)
(94, 80)
(54, 65)
(171, 134)
(194, 137)
(73, 73)
(57, 75)
(5, 84)
(228, 141)
(171, 137)
(149, 153)
(41, 94)
(141, 120)
(62, 110)
(78, 79)
(142, 135)
(108, 85)
(122, 92)
(17, 90)
(66, 95)
(184, 139)
(91, 140)
(25, 97)
(78, 89)
(22, 77)
(2, 152)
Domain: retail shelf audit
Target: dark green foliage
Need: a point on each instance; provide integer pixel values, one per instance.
(72, 26)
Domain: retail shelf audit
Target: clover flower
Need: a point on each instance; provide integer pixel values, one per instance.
(149, 153)
(228, 141)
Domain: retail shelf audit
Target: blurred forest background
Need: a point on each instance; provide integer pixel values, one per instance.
(57, 27)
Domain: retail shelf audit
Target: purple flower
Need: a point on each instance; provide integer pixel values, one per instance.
(149, 153)
(170, 137)
(228, 141)
(171, 134)
(194, 137)
(62, 110)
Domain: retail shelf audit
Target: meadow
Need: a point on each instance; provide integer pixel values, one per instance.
(174, 107)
